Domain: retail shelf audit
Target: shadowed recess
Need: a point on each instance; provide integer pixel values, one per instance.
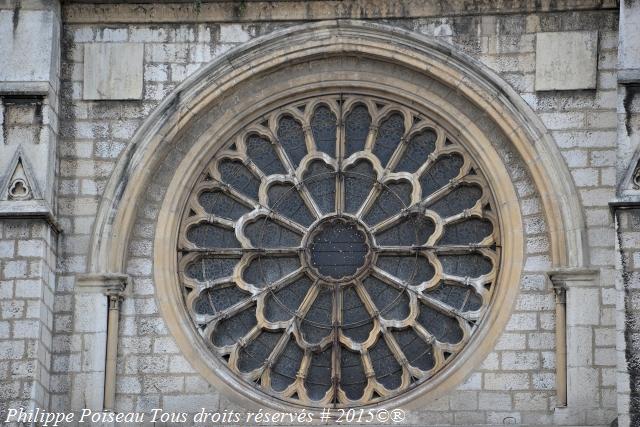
(285, 369)
(392, 303)
(440, 173)
(388, 370)
(210, 268)
(265, 270)
(219, 298)
(255, 354)
(414, 229)
(457, 200)
(282, 304)
(415, 349)
(318, 380)
(291, 137)
(357, 125)
(218, 203)
(238, 176)
(212, 236)
(413, 269)
(394, 197)
(466, 265)
(263, 154)
(356, 321)
(323, 127)
(358, 181)
(268, 233)
(389, 135)
(417, 151)
(472, 230)
(284, 199)
(320, 180)
(230, 330)
(460, 297)
(316, 325)
(352, 377)
(441, 326)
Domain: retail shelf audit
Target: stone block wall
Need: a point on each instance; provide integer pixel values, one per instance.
(45, 344)
(517, 380)
(27, 287)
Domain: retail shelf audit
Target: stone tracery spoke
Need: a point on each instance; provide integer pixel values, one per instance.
(353, 223)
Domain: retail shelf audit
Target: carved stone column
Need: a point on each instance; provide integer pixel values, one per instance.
(96, 321)
(580, 289)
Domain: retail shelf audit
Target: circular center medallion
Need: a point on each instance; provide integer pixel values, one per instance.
(338, 248)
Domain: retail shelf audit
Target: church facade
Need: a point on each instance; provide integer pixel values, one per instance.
(298, 212)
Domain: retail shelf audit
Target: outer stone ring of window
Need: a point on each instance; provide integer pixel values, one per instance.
(340, 251)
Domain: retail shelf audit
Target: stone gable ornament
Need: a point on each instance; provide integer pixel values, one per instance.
(19, 184)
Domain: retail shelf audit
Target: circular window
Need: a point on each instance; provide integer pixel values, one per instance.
(339, 251)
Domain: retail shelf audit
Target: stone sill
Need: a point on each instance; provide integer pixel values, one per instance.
(29, 209)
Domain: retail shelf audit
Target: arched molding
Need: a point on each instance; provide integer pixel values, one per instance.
(468, 78)
(457, 70)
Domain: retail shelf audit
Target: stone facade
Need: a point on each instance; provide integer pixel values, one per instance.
(95, 74)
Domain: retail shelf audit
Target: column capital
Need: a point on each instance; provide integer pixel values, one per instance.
(110, 284)
(563, 278)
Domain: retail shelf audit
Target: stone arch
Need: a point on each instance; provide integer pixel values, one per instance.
(457, 70)
(500, 104)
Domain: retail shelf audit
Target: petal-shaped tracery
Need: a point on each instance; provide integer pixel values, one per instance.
(339, 251)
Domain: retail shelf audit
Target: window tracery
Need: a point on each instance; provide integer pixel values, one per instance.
(339, 250)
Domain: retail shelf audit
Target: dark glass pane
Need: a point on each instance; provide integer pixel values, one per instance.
(267, 233)
(472, 230)
(338, 249)
(320, 180)
(388, 370)
(284, 198)
(257, 351)
(264, 270)
(230, 330)
(209, 268)
(318, 380)
(440, 173)
(411, 269)
(357, 126)
(359, 180)
(212, 236)
(465, 265)
(444, 328)
(417, 151)
(352, 377)
(394, 197)
(461, 298)
(234, 173)
(392, 303)
(317, 323)
(219, 298)
(459, 199)
(218, 203)
(389, 135)
(415, 229)
(356, 321)
(284, 371)
(282, 304)
(415, 349)
(323, 126)
(263, 154)
(291, 136)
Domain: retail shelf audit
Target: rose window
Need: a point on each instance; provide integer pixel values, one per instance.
(339, 251)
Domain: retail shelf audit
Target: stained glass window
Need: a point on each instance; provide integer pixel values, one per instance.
(339, 252)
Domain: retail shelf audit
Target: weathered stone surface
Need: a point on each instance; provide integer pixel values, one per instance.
(566, 60)
(113, 71)
(25, 57)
